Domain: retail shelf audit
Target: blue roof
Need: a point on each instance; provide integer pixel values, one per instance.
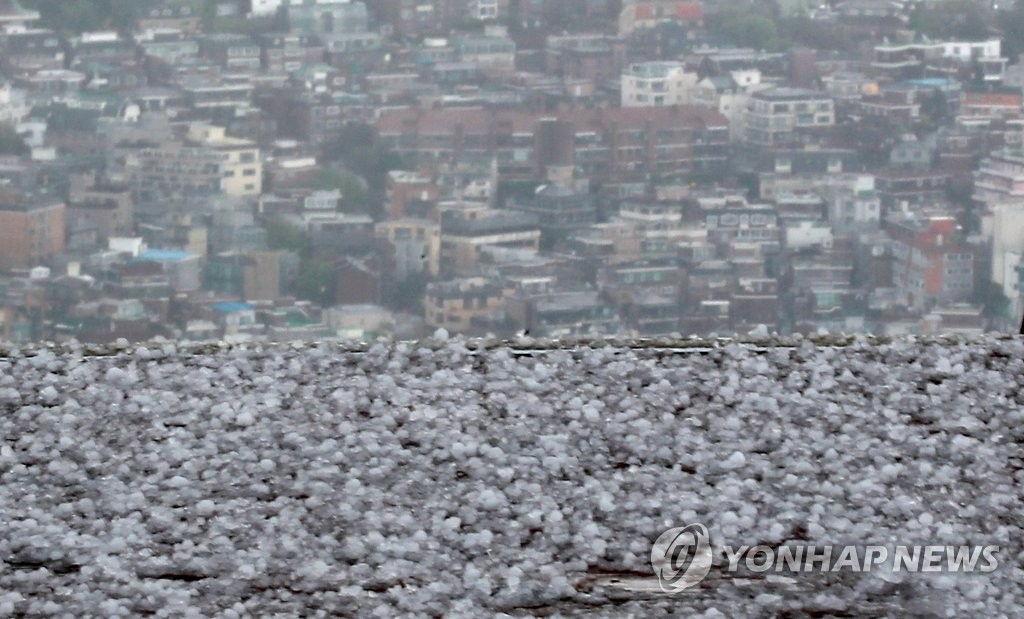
(163, 255)
(230, 307)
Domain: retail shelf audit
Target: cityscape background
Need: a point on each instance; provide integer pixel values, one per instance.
(307, 169)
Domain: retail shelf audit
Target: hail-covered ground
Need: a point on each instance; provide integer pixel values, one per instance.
(452, 478)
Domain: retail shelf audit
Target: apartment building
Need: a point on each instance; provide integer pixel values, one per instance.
(931, 262)
(775, 116)
(454, 304)
(465, 234)
(415, 245)
(207, 161)
(611, 144)
(914, 59)
(999, 186)
(652, 84)
(32, 229)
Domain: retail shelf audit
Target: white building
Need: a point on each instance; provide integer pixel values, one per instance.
(483, 10)
(853, 204)
(729, 95)
(265, 8)
(13, 105)
(999, 184)
(651, 84)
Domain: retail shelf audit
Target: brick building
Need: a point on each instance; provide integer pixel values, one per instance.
(610, 144)
(32, 229)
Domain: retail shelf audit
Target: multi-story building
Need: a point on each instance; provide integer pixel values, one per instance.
(560, 211)
(32, 229)
(999, 187)
(854, 206)
(613, 144)
(410, 18)
(639, 15)
(415, 243)
(775, 116)
(931, 262)
(487, 51)
(651, 84)
(486, 10)
(454, 304)
(464, 234)
(31, 49)
(564, 314)
(232, 52)
(729, 94)
(327, 17)
(284, 53)
(206, 162)
(915, 59)
(593, 57)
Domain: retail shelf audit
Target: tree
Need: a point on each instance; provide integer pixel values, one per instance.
(284, 235)
(316, 281)
(75, 16)
(952, 19)
(356, 147)
(353, 188)
(995, 302)
(11, 143)
(744, 28)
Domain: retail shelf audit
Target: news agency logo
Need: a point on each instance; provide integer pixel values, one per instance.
(681, 557)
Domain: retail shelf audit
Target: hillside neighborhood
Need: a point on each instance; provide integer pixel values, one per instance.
(305, 169)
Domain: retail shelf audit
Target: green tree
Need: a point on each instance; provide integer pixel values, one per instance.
(744, 28)
(284, 235)
(10, 142)
(995, 302)
(316, 281)
(75, 16)
(353, 188)
(407, 294)
(952, 19)
(356, 147)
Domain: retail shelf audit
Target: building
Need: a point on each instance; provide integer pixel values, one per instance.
(924, 58)
(486, 51)
(32, 229)
(775, 116)
(206, 162)
(465, 234)
(560, 212)
(729, 95)
(640, 15)
(999, 186)
(614, 144)
(991, 100)
(651, 84)
(564, 314)
(454, 304)
(327, 17)
(931, 262)
(415, 243)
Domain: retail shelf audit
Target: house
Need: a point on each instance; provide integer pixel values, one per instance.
(639, 15)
